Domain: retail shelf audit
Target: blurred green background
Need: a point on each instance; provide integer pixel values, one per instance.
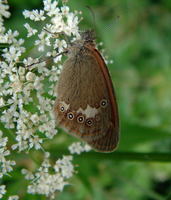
(137, 37)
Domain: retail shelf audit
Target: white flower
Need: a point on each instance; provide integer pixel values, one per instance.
(48, 183)
(11, 36)
(21, 71)
(29, 61)
(51, 7)
(34, 15)
(75, 148)
(16, 84)
(72, 24)
(78, 148)
(27, 94)
(3, 14)
(58, 23)
(4, 10)
(57, 59)
(65, 166)
(35, 118)
(12, 54)
(6, 165)
(30, 30)
(28, 175)
(14, 197)
(3, 38)
(1, 102)
(3, 141)
(2, 190)
(60, 45)
(30, 76)
(87, 148)
(65, 10)
(44, 39)
(35, 142)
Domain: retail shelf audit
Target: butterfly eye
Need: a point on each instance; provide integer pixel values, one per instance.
(80, 119)
(70, 116)
(103, 103)
(89, 122)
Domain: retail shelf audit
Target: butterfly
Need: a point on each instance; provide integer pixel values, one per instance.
(86, 105)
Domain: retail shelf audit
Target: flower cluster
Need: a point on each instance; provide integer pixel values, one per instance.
(27, 91)
(6, 165)
(4, 13)
(48, 179)
(24, 85)
(61, 21)
(78, 148)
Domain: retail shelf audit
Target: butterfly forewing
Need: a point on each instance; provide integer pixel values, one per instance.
(86, 104)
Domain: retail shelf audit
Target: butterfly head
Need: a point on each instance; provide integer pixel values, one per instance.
(87, 38)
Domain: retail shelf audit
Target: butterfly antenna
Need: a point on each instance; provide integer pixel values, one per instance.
(93, 15)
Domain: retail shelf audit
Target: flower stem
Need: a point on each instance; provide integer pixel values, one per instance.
(131, 156)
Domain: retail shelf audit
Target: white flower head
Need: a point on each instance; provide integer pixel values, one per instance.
(12, 54)
(44, 40)
(16, 85)
(2, 190)
(34, 15)
(51, 7)
(13, 197)
(1, 102)
(27, 93)
(30, 76)
(4, 10)
(30, 30)
(46, 182)
(78, 148)
(65, 10)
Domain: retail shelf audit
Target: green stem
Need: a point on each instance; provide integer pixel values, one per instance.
(131, 156)
(115, 156)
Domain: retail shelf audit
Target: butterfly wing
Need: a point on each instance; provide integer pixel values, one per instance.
(86, 104)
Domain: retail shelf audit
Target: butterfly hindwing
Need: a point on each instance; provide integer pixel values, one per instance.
(83, 105)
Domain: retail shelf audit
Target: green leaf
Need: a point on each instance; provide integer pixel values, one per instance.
(135, 134)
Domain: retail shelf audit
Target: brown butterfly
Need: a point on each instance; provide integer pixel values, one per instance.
(86, 105)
